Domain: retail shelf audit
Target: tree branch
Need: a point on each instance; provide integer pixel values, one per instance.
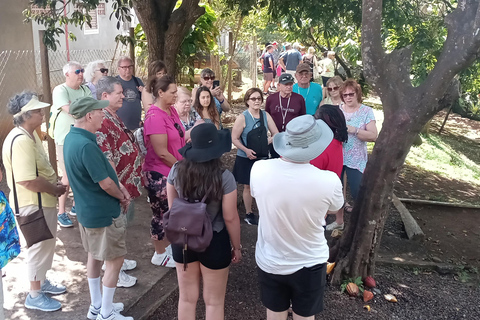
(372, 50)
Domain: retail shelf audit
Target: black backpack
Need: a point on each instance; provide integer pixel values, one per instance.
(257, 139)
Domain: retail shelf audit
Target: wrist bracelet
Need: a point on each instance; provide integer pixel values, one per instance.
(233, 248)
(221, 102)
(356, 132)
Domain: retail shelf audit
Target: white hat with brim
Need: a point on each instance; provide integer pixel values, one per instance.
(304, 139)
(33, 104)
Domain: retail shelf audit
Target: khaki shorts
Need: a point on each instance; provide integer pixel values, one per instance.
(106, 243)
(61, 161)
(268, 76)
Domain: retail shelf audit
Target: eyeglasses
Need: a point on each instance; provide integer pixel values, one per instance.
(129, 134)
(256, 99)
(349, 94)
(179, 129)
(304, 74)
(189, 101)
(78, 71)
(126, 67)
(102, 70)
(209, 78)
(333, 89)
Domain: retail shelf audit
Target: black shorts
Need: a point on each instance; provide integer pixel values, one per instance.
(241, 169)
(217, 256)
(303, 290)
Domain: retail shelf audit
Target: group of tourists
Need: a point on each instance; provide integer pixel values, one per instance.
(107, 152)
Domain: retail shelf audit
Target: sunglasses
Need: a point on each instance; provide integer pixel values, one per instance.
(179, 129)
(78, 71)
(256, 99)
(349, 94)
(209, 78)
(103, 70)
(126, 67)
(333, 89)
(129, 134)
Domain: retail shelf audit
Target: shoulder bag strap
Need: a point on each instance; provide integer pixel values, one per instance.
(15, 198)
(138, 85)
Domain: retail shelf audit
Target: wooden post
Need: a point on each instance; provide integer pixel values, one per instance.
(131, 45)
(47, 97)
(230, 62)
(253, 67)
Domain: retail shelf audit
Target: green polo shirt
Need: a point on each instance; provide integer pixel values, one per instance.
(86, 166)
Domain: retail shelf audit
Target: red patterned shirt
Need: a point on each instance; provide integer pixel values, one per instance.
(118, 146)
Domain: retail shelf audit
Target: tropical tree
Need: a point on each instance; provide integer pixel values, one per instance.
(165, 22)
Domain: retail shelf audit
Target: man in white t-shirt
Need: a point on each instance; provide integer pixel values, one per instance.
(293, 198)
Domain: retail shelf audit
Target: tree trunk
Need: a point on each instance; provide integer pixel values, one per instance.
(407, 110)
(165, 28)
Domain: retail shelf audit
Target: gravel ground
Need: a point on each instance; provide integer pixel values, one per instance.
(421, 295)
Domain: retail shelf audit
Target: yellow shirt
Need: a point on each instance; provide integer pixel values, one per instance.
(26, 153)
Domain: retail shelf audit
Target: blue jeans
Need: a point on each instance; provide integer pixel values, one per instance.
(354, 177)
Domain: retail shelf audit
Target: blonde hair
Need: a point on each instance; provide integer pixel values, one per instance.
(311, 50)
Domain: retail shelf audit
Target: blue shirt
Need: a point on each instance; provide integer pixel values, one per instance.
(312, 95)
(86, 166)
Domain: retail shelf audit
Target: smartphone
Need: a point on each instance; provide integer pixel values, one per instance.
(216, 83)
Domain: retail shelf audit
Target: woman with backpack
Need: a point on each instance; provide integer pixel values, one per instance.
(310, 58)
(201, 176)
(249, 123)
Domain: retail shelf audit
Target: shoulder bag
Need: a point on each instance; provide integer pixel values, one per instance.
(257, 139)
(33, 226)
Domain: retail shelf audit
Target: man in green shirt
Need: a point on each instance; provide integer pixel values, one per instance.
(99, 199)
(61, 121)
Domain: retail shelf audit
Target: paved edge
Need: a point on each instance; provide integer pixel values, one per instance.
(151, 300)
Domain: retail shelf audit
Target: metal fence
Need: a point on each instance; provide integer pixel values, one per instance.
(21, 70)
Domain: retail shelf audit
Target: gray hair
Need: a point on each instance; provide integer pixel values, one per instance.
(15, 105)
(106, 84)
(69, 65)
(90, 69)
(207, 72)
(123, 58)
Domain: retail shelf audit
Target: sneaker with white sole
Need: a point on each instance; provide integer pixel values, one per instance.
(94, 312)
(125, 280)
(64, 220)
(42, 302)
(163, 259)
(334, 225)
(251, 219)
(126, 266)
(113, 316)
(52, 288)
(73, 212)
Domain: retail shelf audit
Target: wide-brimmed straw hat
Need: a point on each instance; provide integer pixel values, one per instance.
(303, 140)
(207, 143)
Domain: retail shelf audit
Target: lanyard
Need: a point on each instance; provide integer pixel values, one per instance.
(284, 114)
(308, 91)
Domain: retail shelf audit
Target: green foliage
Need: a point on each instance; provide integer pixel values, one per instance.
(200, 40)
(55, 19)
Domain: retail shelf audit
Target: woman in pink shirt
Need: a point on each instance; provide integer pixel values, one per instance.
(164, 135)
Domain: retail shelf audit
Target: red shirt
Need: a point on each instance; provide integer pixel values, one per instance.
(285, 110)
(331, 159)
(116, 142)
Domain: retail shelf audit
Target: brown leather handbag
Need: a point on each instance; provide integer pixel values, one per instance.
(33, 226)
(188, 224)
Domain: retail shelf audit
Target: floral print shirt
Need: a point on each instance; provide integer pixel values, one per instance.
(118, 146)
(355, 150)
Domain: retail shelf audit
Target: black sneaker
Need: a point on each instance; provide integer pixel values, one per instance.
(251, 219)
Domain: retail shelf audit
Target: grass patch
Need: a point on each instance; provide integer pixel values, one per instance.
(450, 157)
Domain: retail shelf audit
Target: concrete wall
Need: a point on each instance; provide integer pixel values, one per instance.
(15, 34)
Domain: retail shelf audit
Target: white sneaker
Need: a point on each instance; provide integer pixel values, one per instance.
(125, 280)
(163, 259)
(94, 312)
(113, 316)
(168, 250)
(334, 225)
(126, 266)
